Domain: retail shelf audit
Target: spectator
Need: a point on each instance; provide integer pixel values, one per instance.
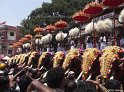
(55, 78)
(112, 85)
(70, 86)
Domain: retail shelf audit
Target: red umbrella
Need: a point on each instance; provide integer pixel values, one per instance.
(38, 29)
(28, 36)
(112, 3)
(24, 39)
(15, 45)
(93, 8)
(50, 27)
(19, 43)
(81, 16)
(61, 24)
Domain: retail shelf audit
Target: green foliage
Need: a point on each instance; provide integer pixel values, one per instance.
(49, 13)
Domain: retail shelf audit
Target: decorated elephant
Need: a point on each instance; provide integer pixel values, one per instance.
(45, 60)
(73, 61)
(58, 59)
(89, 64)
(111, 63)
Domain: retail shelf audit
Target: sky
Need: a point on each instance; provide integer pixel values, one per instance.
(14, 11)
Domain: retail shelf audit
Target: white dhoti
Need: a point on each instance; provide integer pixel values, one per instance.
(48, 49)
(72, 47)
(102, 45)
(60, 49)
(89, 45)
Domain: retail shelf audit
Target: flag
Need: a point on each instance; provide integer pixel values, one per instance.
(3, 23)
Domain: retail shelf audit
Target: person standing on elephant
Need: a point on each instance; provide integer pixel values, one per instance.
(102, 41)
(89, 41)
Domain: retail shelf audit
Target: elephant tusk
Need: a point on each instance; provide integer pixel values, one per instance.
(79, 76)
(41, 68)
(112, 77)
(31, 66)
(67, 71)
(89, 77)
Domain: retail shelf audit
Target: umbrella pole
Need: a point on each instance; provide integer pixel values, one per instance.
(80, 36)
(114, 30)
(94, 41)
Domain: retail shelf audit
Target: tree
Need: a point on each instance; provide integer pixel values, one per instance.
(49, 13)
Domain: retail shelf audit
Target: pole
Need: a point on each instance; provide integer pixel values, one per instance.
(80, 35)
(94, 41)
(114, 29)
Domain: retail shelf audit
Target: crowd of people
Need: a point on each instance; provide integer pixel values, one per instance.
(89, 42)
(24, 77)
(16, 78)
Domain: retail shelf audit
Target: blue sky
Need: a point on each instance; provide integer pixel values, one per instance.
(14, 11)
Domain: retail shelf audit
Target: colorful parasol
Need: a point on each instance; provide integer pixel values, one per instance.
(81, 16)
(112, 3)
(14, 45)
(50, 27)
(24, 39)
(38, 29)
(28, 36)
(19, 43)
(93, 9)
(61, 24)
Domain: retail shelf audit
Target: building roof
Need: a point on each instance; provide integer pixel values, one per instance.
(11, 27)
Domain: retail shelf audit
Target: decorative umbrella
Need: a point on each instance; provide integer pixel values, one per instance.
(28, 36)
(93, 9)
(38, 29)
(112, 3)
(24, 39)
(61, 24)
(81, 16)
(50, 27)
(15, 45)
(19, 43)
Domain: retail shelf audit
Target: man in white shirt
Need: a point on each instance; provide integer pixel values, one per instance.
(102, 41)
(89, 43)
